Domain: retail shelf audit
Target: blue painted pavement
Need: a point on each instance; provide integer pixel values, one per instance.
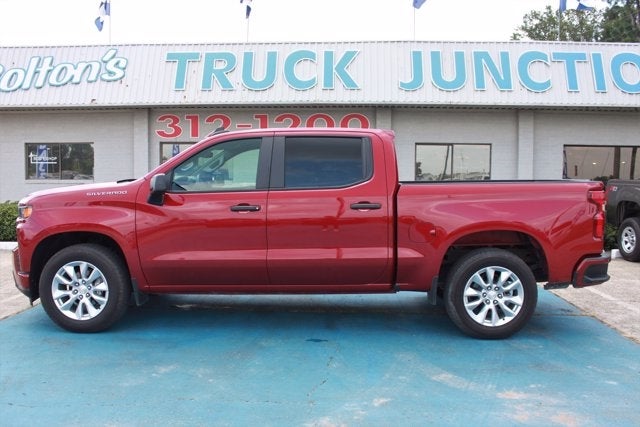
(315, 360)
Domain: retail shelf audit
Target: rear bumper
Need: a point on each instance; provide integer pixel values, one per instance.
(20, 278)
(590, 271)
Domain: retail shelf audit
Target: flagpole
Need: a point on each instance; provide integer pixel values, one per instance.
(247, 15)
(414, 24)
(559, 20)
(110, 22)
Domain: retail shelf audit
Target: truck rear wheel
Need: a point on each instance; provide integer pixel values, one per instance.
(490, 293)
(84, 288)
(628, 234)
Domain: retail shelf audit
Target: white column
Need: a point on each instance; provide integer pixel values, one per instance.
(383, 118)
(141, 154)
(525, 145)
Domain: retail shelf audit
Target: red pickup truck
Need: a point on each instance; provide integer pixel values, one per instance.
(307, 211)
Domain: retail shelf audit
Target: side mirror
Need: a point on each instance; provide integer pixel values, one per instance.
(158, 186)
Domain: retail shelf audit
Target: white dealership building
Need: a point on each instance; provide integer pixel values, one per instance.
(503, 110)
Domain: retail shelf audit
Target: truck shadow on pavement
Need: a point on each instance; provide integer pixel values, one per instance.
(287, 312)
(366, 312)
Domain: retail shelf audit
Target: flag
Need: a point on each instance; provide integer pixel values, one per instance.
(583, 6)
(103, 10)
(418, 3)
(248, 3)
(576, 5)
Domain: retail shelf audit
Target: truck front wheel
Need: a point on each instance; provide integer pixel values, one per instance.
(490, 293)
(84, 288)
(628, 234)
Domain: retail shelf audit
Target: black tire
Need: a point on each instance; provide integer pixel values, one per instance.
(490, 293)
(85, 288)
(627, 238)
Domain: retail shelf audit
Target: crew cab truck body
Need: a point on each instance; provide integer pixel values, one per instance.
(307, 211)
(623, 209)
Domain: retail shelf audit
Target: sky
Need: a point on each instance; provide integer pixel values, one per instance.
(71, 22)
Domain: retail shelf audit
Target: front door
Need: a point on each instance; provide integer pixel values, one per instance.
(210, 230)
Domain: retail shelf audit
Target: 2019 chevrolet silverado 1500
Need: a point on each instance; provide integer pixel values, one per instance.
(307, 211)
(623, 206)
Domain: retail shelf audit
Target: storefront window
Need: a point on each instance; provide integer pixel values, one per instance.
(601, 163)
(59, 161)
(453, 162)
(170, 149)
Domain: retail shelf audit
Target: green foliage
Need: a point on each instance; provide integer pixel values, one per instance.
(620, 22)
(610, 237)
(8, 215)
(548, 25)
(538, 25)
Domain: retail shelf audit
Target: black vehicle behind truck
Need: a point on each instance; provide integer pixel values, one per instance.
(623, 207)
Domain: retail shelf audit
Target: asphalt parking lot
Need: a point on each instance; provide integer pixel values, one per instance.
(325, 361)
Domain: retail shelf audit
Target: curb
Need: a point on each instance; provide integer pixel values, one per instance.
(8, 246)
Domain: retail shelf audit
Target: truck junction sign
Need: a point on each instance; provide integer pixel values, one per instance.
(356, 73)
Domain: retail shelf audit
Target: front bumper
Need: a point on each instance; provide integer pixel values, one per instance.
(21, 278)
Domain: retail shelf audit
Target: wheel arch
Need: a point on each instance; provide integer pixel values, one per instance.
(627, 209)
(523, 245)
(53, 244)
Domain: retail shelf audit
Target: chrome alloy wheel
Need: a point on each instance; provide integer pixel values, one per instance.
(79, 290)
(493, 296)
(628, 239)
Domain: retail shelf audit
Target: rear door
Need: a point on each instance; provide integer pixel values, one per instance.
(328, 218)
(210, 230)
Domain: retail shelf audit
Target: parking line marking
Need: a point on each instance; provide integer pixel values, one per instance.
(612, 299)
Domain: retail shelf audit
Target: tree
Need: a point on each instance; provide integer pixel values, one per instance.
(571, 25)
(620, 22)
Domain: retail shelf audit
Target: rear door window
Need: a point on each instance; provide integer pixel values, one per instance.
(325, 162)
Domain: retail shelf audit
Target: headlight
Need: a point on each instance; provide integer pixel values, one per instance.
(24, 211)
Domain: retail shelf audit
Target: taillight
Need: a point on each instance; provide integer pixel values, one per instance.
(598, 198)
